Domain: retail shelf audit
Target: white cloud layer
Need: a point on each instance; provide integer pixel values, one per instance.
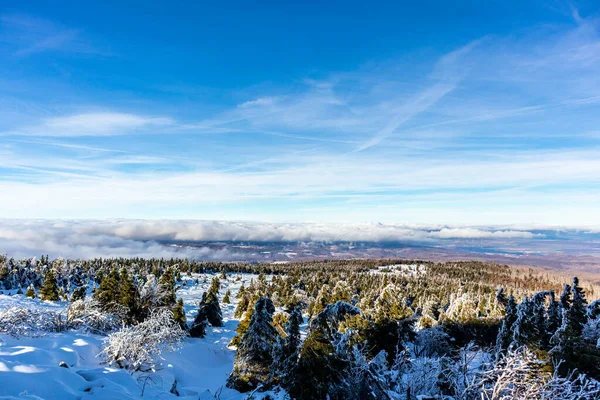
(141, 238)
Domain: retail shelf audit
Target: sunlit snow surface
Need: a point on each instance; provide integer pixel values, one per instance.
(29, 367)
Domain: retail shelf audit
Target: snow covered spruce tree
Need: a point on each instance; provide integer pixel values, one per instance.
(166, 288)
(320, 370)
(49, 289)
(570, 349)
(255, 353)
(209, 311)
(30, 292)
(505, 334)
(287, 349)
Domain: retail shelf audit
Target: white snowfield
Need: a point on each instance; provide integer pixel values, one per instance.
(400, 269)
(29, 366)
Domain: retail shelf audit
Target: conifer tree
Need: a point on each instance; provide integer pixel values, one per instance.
(539, 337)
(244, 323)
(179, 314)
(524, 328)
(166, 288)
(198, 328)
(107, 293)
(577, 313)
(255, 352)
(242, 306)
(501, 297)
(128, 295)
(565, 297)
(227, 297)
(567, 339)
(241, 291)
(554, 317)
(288, 349)
(78, 294)
(210, 303)
(49, 289)
(321, 301)
(319, 370)
(505, 334)
(215, 285)
(30, 292)
(209, 312)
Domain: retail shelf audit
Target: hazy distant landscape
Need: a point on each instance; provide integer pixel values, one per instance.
(565, 249)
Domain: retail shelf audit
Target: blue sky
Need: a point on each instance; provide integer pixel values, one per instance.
(432, 112)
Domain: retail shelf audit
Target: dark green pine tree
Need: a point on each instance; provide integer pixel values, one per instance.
(215, 285)
(166, 288)
(198, 328)
(317, 369)
(78, 293)
(227, 297)
(179, 314)
(292, 329)
(30, 292)
(241, 291)
(576, 315)
(505, 334)
(539, 337)
(288, 349)
(501, 298)
(244, 323)
(565, 297)
(241, 306)
(569, 347)
(554, 320)
(107, 293)
(210, 304)
(49, 289)
(129, 295)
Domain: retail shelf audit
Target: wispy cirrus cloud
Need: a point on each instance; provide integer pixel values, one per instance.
(25, 36)
(93, 124)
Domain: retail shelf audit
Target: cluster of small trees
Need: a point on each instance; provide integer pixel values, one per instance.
(383, 336)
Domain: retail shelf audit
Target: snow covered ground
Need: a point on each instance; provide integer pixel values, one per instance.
(29, 366)
(400, 269)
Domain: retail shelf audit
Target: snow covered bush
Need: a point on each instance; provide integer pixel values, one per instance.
(462, 375)
(139, 347)
(521, 375)
(18, 321)
(422, 377)
(87, 314)
(431, 342)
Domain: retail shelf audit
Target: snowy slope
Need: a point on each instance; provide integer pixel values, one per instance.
(29, 367)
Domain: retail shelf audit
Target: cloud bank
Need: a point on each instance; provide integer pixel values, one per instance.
(146, 238)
